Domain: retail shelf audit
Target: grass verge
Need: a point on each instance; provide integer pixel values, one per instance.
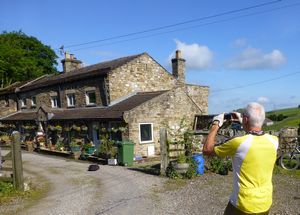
(13, 201)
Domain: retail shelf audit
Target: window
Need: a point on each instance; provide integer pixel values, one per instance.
(90, 97)
(146, 132)
(33, 101)
(23, 103)
(71, 100)
(54, 102)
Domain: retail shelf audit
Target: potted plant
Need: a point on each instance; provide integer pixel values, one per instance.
(181, 165)
(89, 148)
(58, 128)
(59, 146)
(112, 160)
(75, 146)
(107, 147)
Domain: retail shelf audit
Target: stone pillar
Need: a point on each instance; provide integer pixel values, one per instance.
(178, 67)
(70, 63)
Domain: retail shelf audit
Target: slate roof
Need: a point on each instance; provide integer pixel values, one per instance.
(78, 74)
(11, 88)
(110, 112)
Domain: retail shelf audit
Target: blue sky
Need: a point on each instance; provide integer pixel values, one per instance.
(243, 56)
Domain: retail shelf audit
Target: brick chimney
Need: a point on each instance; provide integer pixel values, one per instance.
(178, 67)
(70, 63)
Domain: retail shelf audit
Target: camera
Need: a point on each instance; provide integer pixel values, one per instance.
(228, 116)
(231, 117)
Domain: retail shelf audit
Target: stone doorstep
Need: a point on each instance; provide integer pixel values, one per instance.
(147, 160)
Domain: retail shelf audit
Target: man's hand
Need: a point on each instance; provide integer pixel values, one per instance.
(219, 119)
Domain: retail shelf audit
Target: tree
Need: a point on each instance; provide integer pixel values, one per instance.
(23, 58)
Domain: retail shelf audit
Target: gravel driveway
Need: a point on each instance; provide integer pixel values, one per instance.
(118, 190)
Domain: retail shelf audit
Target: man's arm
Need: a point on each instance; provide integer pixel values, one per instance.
(209, 144)
(208, 148)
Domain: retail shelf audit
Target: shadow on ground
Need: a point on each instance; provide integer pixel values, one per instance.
(149, 169)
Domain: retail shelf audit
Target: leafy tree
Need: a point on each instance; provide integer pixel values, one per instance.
(273, 117)
(23, 58)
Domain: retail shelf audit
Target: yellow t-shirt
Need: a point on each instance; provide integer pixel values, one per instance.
(253, 159)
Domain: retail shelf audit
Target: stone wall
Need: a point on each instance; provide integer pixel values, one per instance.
(200, 95)
(141, 74)
(43, 95)
(168, 108)
(42, 98)
(79, 88)
(8, 105)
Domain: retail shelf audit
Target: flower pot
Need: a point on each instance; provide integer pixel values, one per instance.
(181, 167)
(90, 150)
(75, 148)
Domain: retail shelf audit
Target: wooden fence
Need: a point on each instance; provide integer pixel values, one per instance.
(15, 156)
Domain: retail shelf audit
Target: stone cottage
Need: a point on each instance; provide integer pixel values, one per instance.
(135, 92)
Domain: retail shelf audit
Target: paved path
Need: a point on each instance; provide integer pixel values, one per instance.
(117, 190)
(74, 190)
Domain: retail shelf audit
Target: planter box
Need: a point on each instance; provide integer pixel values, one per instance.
(181, 167)
(112, 162)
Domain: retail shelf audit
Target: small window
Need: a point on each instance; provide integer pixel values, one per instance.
(54, 102)
(90, 97)
(71, 100)
(33, 101)
(146, 132)
(23, 103)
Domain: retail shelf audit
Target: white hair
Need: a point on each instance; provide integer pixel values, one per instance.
(256, 114)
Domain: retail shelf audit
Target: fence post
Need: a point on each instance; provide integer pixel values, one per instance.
(164, 155)
(17, 161)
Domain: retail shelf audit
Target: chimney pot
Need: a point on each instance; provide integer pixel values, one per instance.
(67, 55)
(178, 54)
(70, 62)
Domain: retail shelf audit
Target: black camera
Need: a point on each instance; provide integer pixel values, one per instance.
(228, 116)
(203, 122)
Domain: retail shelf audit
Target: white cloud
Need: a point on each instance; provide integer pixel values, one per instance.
(252, 58)
(196, 56)
(262, 100)
(240, 42)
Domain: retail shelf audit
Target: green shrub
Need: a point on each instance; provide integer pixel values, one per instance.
(171, 172)
(191, 172)
(220, 166)
(6, 188)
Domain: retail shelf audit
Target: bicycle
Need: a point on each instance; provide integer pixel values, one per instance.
(290, 160)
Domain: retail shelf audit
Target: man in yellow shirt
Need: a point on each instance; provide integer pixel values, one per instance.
(253, 158)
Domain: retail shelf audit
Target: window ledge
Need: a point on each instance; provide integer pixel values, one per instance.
(91, 105)
(147, 142)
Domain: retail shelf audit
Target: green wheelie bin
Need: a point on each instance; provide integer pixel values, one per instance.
(125, 153)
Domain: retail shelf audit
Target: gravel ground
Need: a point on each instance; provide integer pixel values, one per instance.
(118, 190)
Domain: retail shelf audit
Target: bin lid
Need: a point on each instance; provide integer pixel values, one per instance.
(125, 142)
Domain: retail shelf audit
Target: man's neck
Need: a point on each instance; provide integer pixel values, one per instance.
(255, 131)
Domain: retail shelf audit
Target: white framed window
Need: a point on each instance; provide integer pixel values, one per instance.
(146, 132)
(33, 101)
(54, 102)
(71, 100)
(23, 102)
(90, 97)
